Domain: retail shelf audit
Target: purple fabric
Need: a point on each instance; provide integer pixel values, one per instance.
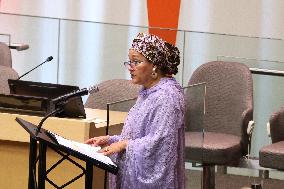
(155, 130)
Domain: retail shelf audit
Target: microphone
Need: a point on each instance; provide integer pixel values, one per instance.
(47, 60)
(80, 92)
(19, 46)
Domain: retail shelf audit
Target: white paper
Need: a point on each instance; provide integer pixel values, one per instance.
(85, 149)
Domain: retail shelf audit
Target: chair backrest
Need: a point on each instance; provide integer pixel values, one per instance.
(5, 74)
(229, 97)
(277, 125)
(111, 91)
(5, 55)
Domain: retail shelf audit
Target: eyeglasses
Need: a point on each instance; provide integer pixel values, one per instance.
(132, 64)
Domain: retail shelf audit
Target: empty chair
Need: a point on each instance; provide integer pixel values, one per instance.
(272, 156)
(5, 74)
(228, 110)
(5, 55)
(112, 91)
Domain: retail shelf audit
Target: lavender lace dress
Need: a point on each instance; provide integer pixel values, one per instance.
(155, 130)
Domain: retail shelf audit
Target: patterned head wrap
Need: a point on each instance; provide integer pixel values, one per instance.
(161, 53)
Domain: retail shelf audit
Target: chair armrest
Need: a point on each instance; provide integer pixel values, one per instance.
(247, 129)
(250, 127)
(268, 129)
(248, 123)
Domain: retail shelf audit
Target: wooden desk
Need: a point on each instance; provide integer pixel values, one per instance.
(14, 147)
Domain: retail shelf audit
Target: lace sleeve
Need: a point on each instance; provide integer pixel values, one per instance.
(113, 139)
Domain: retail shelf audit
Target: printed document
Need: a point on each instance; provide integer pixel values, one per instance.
(85, 149)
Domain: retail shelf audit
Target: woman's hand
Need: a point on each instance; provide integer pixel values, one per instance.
(98, 141)
(114, 147)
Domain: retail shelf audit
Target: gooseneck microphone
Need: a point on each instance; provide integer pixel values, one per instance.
(80, 92)
(47, 60)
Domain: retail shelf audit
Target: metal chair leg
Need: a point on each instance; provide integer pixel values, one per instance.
(208, 180)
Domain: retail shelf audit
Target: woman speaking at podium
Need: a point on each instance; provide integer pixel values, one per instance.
(149, 151)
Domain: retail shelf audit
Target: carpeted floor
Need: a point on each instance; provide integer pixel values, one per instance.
(227, 181)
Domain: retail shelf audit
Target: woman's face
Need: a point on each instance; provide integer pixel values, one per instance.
(141, 73)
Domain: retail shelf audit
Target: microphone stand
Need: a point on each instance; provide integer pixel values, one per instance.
(60, 105)
(33, 157)
(59, 109)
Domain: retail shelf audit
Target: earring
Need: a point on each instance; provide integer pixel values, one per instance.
(154, 73)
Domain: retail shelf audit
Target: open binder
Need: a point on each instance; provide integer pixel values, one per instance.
(85, 150)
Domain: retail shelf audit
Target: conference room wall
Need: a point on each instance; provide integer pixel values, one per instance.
(97, 49)
(84, 53)
(255, 18)
(87, 50)
(241, 18)
(42, 37)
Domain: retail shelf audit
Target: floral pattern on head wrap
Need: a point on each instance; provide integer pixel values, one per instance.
(161, 53)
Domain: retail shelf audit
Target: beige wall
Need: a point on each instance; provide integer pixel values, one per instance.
(259, 18)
